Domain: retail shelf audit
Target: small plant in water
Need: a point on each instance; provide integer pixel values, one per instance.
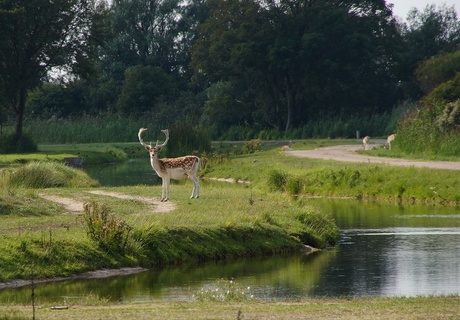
(224, 291)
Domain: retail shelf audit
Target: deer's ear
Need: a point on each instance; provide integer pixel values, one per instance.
(148, 148)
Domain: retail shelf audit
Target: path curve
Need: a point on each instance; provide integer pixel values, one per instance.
(347, 153)
(76, 206)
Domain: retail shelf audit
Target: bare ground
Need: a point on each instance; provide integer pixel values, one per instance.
(347, 153)
(75, 206)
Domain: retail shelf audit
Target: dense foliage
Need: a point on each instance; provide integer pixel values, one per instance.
(238, 68)
(434, 127)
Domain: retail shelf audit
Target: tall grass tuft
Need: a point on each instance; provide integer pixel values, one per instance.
(277, 180)
(319, 231)
(48, 174)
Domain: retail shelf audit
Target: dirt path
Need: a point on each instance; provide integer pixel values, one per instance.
(348, 153)
(75, 206)
(157, 205)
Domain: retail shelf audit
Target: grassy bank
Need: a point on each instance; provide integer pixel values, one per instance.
(302, 178)
(228, 221)
(350, 309)
(97, 153)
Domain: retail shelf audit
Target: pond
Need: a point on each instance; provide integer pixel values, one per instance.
(385, 250)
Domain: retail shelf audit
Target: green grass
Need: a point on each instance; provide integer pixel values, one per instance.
(351, 309)
(303, 178)
(227, 221)
(91, 153)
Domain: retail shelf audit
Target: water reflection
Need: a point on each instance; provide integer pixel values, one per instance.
(269, 278)
(131, 172)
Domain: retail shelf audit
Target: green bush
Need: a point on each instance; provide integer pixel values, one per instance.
(102, 227)
(252, 146)
(10, 143)
(432, 130)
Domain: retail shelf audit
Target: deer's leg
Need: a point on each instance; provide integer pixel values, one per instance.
(166, 181)
(163, 183)
(196, 186)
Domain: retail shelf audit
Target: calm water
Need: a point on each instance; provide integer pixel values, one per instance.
(385, 250)
(132, 172)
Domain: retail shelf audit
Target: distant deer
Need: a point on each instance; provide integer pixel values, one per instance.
(173, 168)
(366, 142)
(287, 147)
(390, 139)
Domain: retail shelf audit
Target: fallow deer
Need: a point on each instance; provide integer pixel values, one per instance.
(172, 168)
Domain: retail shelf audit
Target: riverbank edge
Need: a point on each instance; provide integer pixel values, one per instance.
(105, 273)
(174, 246)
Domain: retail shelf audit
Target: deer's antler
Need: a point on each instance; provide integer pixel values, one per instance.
(166, 132)
(141, 131)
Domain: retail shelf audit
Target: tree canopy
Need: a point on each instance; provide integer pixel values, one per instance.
(265, 64)
(36, 36)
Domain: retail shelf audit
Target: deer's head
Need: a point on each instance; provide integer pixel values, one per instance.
(153, 150)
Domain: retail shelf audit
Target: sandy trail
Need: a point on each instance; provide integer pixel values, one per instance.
(347, 153)
(75, 206)
(157, 205)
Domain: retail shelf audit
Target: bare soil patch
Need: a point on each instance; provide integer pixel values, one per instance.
(75, 206)
(157, 205)
(347, 153)
(70, 205)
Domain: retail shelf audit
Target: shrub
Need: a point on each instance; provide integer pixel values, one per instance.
(102, 227)
(252, 146)
(10, 143)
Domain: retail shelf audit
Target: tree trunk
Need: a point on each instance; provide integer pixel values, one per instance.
(290, 101)
(19, 110)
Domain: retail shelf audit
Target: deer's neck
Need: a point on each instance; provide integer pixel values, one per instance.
(157, 165)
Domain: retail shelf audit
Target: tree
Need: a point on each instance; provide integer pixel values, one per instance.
(430, 32)
(39, 35)
(300, 59)
(437, 70)
(143, 88)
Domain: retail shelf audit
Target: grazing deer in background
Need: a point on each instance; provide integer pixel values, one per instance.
(366, 142)
(172, 168)
(287, 147)
(389, 140)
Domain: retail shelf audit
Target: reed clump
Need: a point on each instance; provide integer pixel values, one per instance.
(46, 174)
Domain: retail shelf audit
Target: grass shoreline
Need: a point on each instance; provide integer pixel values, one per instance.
(444, 307)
